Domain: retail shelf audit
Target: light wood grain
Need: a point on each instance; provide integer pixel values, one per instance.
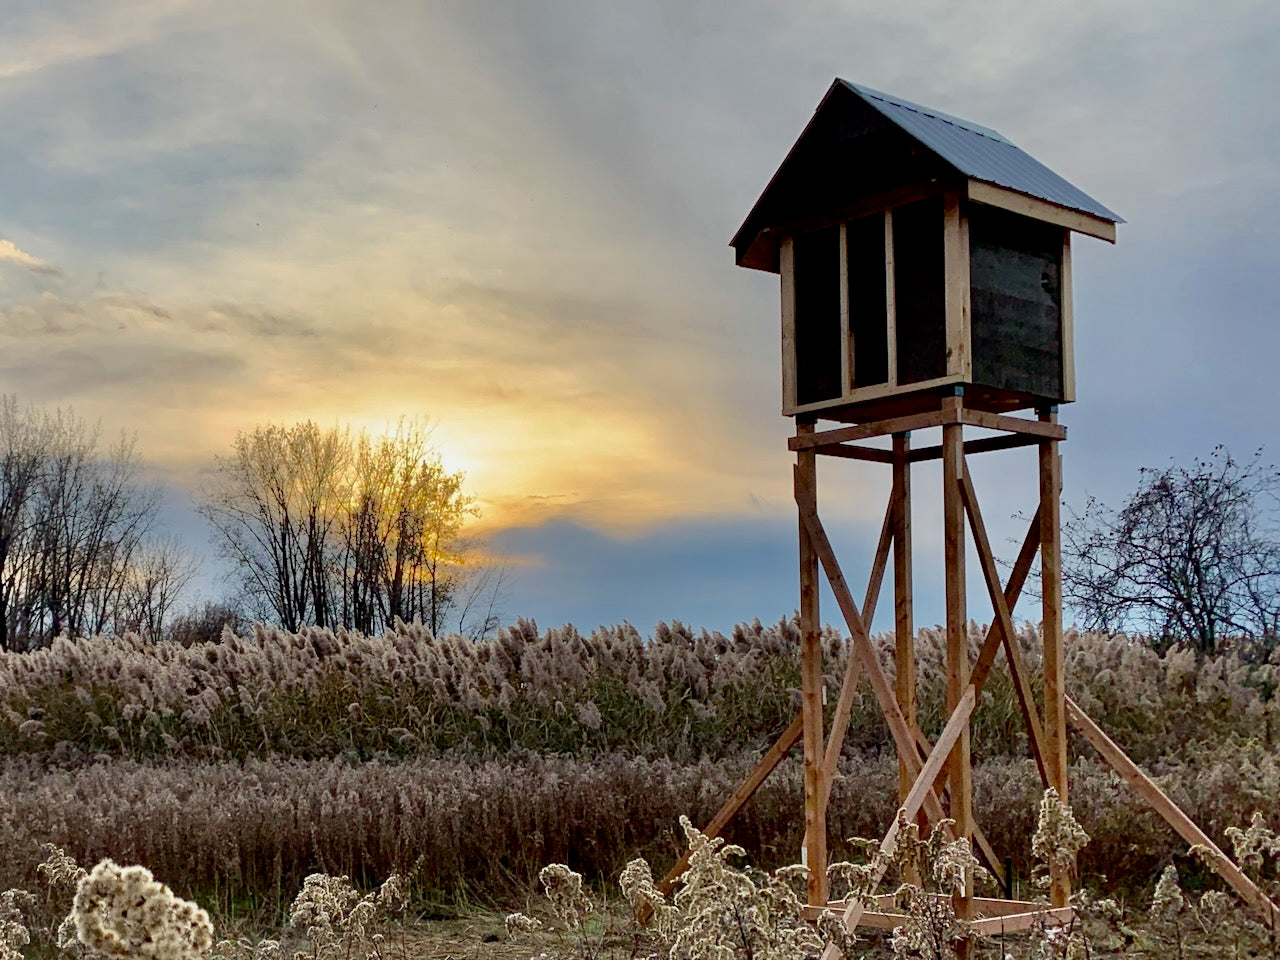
(1186, 828)
(1015, 202)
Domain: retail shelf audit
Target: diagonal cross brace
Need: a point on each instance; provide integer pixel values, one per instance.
(903, 738)
(1004, 620)
(1223, 865)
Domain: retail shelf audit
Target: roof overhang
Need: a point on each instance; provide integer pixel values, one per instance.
(1015, 202)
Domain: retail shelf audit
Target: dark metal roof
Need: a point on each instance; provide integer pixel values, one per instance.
(981, 153)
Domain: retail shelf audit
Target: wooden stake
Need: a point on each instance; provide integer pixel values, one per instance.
(1055, 685)
(1223, 865)
(815, 813)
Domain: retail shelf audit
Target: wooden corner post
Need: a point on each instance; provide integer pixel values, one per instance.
(960, 784)
(1055, 685)
(815, 807)
(903, 617)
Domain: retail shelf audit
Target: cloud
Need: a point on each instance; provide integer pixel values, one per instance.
(514, 219)
(11, 253)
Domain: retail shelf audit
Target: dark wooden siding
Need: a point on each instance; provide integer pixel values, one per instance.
(1015, 271)
(817, 317)
(868, 324)
(920, 291)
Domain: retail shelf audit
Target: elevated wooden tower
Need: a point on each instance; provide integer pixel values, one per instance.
(925, 267)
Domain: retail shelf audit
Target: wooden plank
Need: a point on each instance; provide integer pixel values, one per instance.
(1004, 623)
(1015, 202)
(903, 738)
(876, 919)
(876, 580)
(987, 854)
(846, 342)
(890, 299)
(1068, 324)
(983, 846)
(998, 421)
(787, 262)
(992, 643)
(878, 391)
(1186, 828)
(920, 791)
(849, 451)
(904, 633)
(1055, 682)
(985, 908)
(956, 271)
(1017, 922)
(853, 669)
(981, 445)
(768, 763)
(840, 725)
(999, 907)
(960, 779)
(980, 842)
(811, 688)
(866, 431)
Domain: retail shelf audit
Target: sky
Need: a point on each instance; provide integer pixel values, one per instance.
(512, 218)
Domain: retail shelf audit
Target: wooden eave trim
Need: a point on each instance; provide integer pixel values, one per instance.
(740, 237)
(993, 196)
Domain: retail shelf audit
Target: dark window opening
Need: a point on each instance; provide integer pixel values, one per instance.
(919, 273)
(868, 320)
(817, 316)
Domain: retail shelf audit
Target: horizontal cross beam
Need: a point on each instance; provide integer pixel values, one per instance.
(1038, 429)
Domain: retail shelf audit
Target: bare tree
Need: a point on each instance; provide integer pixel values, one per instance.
(274, 505)
(1192, 556)
(151, 587)
(73, 520)
(478, 606)
(206, 623)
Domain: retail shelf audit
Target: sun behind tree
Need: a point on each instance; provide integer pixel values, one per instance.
(326, 527)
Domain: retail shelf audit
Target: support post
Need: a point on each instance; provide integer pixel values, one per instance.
(815, 813)
(960, 762)
(1055, 688)
(903, 621)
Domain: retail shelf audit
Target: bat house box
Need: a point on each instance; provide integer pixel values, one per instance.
(918, 253)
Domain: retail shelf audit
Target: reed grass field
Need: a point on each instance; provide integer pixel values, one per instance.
(234, 770)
